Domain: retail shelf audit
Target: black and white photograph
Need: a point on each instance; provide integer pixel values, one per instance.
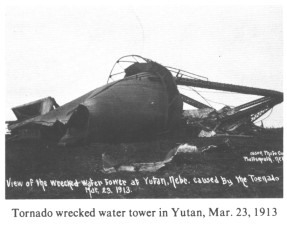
(141, 102)
(144, 101)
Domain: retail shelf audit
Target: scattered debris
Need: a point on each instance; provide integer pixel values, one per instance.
(143, 104)
(111, 165)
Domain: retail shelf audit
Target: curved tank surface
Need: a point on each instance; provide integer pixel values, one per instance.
(146, 102)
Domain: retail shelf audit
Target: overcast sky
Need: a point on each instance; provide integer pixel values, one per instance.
(65, 52)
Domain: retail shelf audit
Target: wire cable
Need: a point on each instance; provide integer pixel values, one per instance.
(271, 110)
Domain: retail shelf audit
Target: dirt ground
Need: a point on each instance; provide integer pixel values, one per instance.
(46, 161)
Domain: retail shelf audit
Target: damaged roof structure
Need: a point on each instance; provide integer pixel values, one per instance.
(145, 103)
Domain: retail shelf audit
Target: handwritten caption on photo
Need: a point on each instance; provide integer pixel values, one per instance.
(94, 187)
(264, 156)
